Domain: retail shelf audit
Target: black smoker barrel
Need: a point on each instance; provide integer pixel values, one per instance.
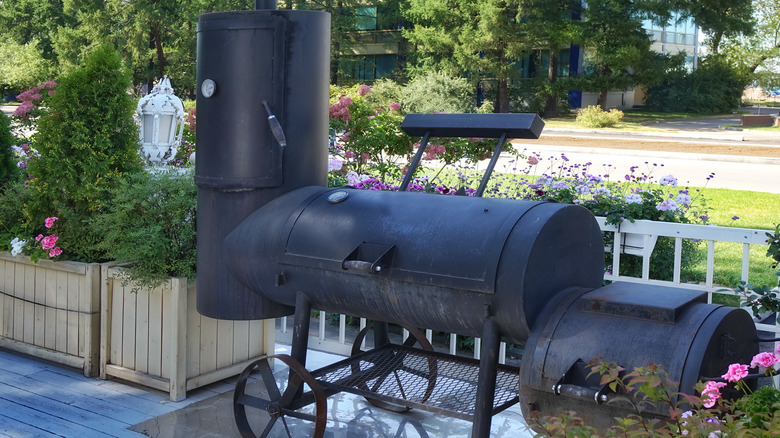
(420, 260)
(246, 58)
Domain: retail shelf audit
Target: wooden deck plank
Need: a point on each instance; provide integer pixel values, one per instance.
(45, 416)
(59, 415)
(10, 427)
(123, 415)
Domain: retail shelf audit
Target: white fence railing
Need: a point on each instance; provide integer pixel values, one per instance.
(335, 339)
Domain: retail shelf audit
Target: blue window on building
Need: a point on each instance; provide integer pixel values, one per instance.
(365, 18)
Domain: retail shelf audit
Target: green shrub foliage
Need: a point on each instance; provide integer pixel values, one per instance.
(438, 92)
(87, 141)
(713, 88)
(151, 224)
(13, 197)
(595, 117)
(8, 169)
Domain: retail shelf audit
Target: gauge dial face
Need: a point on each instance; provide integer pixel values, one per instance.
(208, 87)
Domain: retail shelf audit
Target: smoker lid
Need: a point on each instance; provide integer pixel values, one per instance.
(431, 239)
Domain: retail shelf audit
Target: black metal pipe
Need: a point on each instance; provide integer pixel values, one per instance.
(491, 166)
(486, 383)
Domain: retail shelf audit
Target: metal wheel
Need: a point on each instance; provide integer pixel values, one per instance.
(278, 404)
(415, 337)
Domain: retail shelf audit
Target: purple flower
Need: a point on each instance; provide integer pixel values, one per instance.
(734, 218)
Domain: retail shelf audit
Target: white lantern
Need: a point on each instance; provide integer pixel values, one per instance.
(162, 121)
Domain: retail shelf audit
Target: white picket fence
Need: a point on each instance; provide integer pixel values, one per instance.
(324, 337)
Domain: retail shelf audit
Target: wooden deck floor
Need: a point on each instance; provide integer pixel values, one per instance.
(40, 399)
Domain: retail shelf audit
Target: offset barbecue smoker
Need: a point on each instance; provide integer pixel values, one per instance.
(274, 241)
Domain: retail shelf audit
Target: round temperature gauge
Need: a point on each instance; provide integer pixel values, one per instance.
(208, 88)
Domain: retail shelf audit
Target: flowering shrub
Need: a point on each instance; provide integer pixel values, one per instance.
(44, 246)
(33, 100)
(367, 138)
(187, 146)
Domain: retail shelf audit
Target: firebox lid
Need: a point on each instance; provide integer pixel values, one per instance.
(641, 301)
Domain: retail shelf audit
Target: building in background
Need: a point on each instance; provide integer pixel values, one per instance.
(378, 52)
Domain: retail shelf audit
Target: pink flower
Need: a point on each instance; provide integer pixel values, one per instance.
(49, 222)
(54, 252)
(533, 161)
(50, 92)
(49, 242)
(349, 154)
(365, 156)
(49, 84)
(736, 372)
(24, 108)
(711, 393)
(363, 90)
(39, 237)
(765, 360)
(395, 106)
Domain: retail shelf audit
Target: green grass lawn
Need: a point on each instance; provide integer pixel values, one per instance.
(633, 120)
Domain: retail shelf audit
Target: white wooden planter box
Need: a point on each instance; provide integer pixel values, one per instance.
(158, 339)
(51, 310)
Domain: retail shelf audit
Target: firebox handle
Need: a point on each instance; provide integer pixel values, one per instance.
(276, 127)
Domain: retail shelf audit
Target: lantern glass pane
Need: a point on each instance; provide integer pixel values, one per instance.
(148, 127)
(165, 128)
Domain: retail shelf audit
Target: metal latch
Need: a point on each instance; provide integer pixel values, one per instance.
(579, 383)
(369, 258)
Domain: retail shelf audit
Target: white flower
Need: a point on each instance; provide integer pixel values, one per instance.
(335, 164)
(602, 191)
(633, 199)
(683, 199)
(668, 180)
(16, 246)
(667, 205)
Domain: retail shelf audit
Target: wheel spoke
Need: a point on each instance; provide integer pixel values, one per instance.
(269, 380)
(269, 426)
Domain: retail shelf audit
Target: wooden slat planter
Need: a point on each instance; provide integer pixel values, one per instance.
(51, 310)
(158, 339)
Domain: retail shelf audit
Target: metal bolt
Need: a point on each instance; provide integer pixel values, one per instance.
(378, 269)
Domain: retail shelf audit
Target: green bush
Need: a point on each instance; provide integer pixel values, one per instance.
(8, 169)
(595, 117)
(437, 92)
(151, 224)
(86, 142)
(13, 198)
(713, 88)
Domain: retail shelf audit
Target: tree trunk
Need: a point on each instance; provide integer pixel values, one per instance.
(502, 97)
(602, 99)
(551, 100)
(159, 49)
